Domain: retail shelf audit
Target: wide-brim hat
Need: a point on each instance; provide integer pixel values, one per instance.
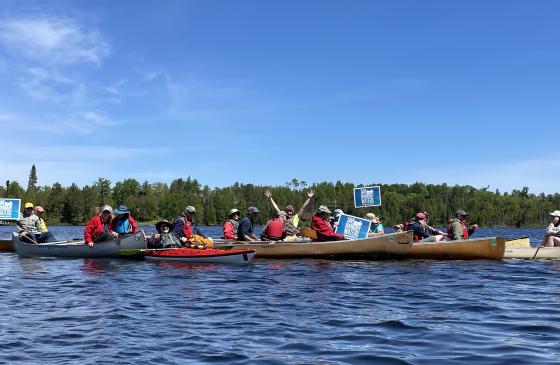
(123, 209)
(462, 213)
(324, 209)
(233, 211)
(372, 217)
(163, 222)
(556, 213)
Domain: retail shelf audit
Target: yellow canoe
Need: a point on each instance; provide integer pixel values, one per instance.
(382, 246)
(488, 248)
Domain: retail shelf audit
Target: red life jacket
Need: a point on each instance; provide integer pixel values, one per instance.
(405, 225)
(274, 229)
(465, 235)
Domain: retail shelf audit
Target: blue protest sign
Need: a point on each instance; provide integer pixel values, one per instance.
(9, 208)
(353, 227)
(369, 196)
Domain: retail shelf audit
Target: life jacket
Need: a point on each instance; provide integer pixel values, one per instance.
(274, 229)
(405, 225)
(465, 235)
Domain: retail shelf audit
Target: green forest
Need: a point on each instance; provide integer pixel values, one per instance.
(149, 202)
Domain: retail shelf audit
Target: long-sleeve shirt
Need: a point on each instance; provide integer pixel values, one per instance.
(182, 228)
(324, 230)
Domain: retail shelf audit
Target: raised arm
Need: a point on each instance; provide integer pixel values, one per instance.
(310, 194)
(268, 194)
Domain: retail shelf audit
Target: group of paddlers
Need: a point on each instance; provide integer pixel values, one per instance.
(183, 231)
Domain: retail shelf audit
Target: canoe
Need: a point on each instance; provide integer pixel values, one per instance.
(519, 242)
(382, 246)
(489, 248)
(79, 249)
(193, 255)
(6, 245)
(529, 253)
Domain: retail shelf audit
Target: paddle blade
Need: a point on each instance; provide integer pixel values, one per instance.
(131, 251)
(308, 232)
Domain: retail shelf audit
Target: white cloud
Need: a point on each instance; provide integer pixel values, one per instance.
(53, 40)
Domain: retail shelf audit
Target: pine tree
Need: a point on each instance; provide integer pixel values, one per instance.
(32, 182)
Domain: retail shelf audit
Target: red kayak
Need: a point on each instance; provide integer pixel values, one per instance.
(185, 254)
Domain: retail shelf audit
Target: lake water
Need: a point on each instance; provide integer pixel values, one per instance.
(279, 312)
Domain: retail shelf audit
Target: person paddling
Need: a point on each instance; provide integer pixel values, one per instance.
(457, 228)
(422, 231)
(98, 229)
(29, 226)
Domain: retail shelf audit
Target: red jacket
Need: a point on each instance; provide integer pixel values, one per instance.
(324, 229)
(94, 228)
(229, 230)
(132, 222)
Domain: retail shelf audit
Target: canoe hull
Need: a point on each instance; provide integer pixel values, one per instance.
(6, 245)
(78, 249)
(383, 246)
(490, 248)
(189, 255)
(529, 253)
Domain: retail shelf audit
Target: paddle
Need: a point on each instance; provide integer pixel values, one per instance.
(537, 251)
(28, 238)
(308, 232)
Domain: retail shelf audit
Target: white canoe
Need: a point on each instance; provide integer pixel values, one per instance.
(79, 249)
(529, 252)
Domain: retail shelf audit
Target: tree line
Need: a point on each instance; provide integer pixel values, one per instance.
(149, 202)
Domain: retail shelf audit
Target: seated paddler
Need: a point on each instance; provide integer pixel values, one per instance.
(29, 225)
(123, 223)
(422, 231)
(552, 232)
(98, 229)
(274, 228)
(164, 238)
(457, 227)
(376, 228)
(321, 225)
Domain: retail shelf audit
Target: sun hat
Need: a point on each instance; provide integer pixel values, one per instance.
(372, 217)
(233, 211)
(420, 215)
(337, 212)
(252, 210)
(190, 209)
(28, 205)
(122, 209)
(39, 209)
(461, 213)
(324, 209)
(106, 208)
(556, 213)
(163, 222)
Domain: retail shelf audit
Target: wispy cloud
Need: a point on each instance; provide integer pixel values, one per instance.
(54, 41)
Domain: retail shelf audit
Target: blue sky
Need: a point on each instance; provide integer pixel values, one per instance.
(456, 92)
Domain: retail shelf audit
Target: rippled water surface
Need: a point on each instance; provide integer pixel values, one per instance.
(279, 312)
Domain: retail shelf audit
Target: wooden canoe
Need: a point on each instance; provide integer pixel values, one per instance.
(529, 253)
(489, 248)
(79, 249)
(6, 245)
(382, 246)
(192, 255)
